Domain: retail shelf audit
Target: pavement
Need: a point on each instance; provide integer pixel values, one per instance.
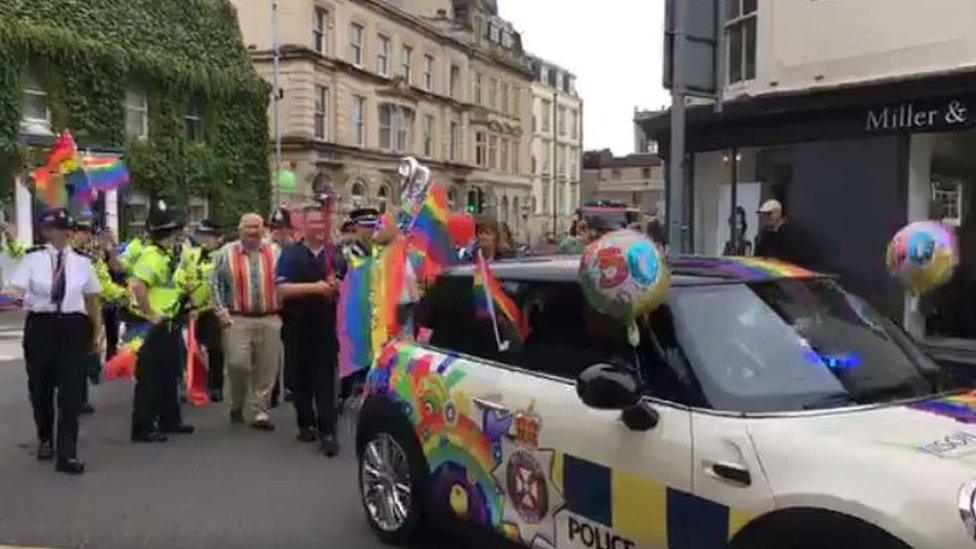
(224, 486)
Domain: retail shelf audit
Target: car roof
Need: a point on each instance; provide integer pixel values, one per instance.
(685, 270)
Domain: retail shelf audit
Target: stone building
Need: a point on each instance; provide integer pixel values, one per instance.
(557, 142)
(636, 180)
(366, 82)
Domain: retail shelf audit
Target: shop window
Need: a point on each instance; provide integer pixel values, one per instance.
(136, 113)
(740, 33)
(36, 117)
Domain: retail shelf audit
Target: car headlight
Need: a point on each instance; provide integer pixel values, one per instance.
(967, 507)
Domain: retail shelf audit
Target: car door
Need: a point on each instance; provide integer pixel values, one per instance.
(573, 476)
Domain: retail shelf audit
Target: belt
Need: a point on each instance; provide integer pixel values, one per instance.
(38, 314)
(254, 315)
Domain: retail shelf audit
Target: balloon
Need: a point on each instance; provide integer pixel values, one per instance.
(287, 180)
(923, 255)
(624, 276)
(461, 228)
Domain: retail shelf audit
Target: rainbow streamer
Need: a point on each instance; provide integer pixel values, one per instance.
(429, 233)
(107, 173)
(745, 268)
(355, 319)
(490, 299)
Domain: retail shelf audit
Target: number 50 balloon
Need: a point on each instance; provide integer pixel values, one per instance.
(623, 275)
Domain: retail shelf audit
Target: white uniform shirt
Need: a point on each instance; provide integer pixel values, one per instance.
(34, 275)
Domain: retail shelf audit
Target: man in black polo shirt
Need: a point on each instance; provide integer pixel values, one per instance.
(308, 276)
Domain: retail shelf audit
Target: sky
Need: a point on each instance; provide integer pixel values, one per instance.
(615, 49)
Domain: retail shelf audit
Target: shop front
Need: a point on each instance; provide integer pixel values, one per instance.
(851, 166)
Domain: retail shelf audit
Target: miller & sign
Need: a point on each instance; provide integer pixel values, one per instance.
(946, 115)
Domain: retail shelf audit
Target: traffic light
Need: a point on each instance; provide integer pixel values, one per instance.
(472, 207)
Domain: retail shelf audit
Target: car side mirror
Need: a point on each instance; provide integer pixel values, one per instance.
(608, 387)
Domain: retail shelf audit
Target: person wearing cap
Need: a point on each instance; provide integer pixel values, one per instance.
(777, 239)
(365, 222)
(196, 269)
(281, 227)
(61, 294)
(161, 307)
(308, 275)
(83, 244)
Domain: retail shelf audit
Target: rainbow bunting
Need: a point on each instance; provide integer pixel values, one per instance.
(107, 173)
(430, 235)
(490, 299)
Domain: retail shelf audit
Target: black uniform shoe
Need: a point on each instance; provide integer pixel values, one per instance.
(70, 466)
(45, 451)
(236, 416)
(307, 435)
(329, 446)
(86, 408)
(181, 429)
(151, 436)
(216, 396)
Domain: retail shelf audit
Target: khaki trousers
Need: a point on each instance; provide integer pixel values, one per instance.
(252, 351)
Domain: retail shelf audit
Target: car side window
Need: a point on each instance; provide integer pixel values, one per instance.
(567, 336)
(665, 368)
(447, 311)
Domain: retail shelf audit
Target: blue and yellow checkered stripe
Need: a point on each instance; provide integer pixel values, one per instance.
(645, 511)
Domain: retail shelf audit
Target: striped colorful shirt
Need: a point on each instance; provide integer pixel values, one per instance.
(243, 281)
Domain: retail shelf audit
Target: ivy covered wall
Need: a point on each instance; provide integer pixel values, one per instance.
(88, 52)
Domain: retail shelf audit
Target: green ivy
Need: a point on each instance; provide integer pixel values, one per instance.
(90, 51)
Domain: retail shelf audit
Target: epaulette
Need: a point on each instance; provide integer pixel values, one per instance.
(33, 249)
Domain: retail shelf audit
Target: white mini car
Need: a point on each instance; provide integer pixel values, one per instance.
(764, 407)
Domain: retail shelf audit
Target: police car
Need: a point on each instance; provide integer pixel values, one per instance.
(764, 407)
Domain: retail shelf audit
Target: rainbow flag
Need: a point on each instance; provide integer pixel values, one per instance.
(123, 364)
(355, 310)
(107, 173)
(63, 178)
(490, 300)
(429, 233)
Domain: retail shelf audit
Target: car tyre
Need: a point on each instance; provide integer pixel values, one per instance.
(392, 481)
(814, 529)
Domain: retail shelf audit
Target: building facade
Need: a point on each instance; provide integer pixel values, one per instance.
(174, 108)
(857, 132)
(556, 150)
(636, 180)
(366, 82)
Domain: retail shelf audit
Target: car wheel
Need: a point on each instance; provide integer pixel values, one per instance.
(392, 480)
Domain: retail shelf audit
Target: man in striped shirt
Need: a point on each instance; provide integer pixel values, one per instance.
(246, 302)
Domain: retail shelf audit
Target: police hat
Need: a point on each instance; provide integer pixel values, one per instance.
(281, 219)
(162, 218)
(365, 217)
(83, 224)
(207, 227)
(56, 218)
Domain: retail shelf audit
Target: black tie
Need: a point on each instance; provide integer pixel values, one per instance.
(59, 282)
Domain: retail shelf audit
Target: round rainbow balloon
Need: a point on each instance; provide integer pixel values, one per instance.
(923, 255)
(624, 276)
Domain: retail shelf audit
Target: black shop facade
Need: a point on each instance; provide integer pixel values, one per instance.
(851, 165)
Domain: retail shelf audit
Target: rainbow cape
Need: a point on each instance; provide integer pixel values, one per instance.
(429, 233)
(491, 302)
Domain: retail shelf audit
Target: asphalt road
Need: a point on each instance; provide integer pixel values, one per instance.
(225, 486)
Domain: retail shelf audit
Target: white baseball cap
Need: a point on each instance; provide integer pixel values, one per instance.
(771, 206)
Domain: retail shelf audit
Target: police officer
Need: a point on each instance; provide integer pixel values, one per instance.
(308, 276)
(83, 244)
(365, 221)
(198, 263)
(161, 307)
(61, 296)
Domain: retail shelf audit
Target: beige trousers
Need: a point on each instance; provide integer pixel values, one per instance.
(252, 351)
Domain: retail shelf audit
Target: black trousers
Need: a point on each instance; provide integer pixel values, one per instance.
(209, 334)
(311, 359)
(56, 348)
(156, 404)
(110, 319)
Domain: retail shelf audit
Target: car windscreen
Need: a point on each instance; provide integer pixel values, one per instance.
(793, 344)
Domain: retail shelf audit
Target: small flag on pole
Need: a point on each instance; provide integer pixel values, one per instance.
(490, 299)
